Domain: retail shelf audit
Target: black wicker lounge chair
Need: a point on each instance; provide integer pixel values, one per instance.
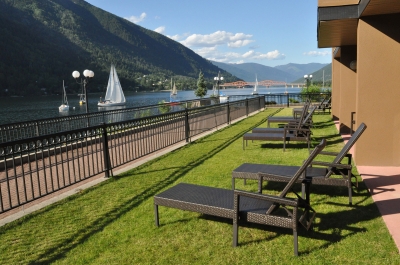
(300, 123)
(286, 119)
(318, 175)
(325, 104)
(242, 206)
(291, 132)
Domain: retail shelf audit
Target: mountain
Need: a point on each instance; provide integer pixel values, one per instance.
(289, 72)
(43, 41)
(323, 74)
(248, 71)
(299, 70)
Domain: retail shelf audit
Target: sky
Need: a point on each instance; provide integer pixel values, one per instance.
(268, 32)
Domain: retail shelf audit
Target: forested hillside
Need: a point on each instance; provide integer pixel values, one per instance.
(43, 41)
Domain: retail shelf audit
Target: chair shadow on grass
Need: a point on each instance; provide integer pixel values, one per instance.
(59, 250)
(329, 229)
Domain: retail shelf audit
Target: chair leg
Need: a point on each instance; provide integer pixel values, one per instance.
(350, 194)
(156, 215)
(235, 234)
(295, 243)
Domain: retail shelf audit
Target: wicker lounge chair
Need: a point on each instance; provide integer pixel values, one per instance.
(241, 205)
(318, 175)
(300, 123)
(325, 104)
(286, 119)
(291, 132)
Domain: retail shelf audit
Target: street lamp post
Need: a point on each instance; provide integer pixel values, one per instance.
(87, 75)
(308, 80)
(218, 78)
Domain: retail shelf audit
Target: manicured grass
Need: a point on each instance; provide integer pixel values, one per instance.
(113, 223)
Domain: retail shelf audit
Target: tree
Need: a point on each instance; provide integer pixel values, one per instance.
(201, 90)
(314, 92)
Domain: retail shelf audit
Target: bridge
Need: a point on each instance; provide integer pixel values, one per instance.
(266, 83)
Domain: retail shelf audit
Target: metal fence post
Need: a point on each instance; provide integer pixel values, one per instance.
(247, 107)
(106, 152)
(187, 126)
(228, 113)
(287, 98)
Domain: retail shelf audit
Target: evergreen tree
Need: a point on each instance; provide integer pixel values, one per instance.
(201, 90)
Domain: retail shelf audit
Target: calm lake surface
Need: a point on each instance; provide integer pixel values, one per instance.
(17, 109)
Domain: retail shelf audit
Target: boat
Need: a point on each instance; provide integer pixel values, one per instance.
(64, 104)
(173, 91)
(215, 92)
(255, 90)
(82, 99)
(114, 94)
(82, 96)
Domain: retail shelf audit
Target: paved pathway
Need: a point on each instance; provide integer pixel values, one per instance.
(384, 185)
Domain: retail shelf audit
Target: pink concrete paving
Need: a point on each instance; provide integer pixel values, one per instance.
(383, 184)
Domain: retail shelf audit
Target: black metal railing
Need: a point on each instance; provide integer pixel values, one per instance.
(293, 99)
(34, 167)
(23, 130)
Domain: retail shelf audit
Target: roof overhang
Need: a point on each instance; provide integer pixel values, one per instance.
(338, 20)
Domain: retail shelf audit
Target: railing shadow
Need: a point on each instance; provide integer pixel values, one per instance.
(59, 250)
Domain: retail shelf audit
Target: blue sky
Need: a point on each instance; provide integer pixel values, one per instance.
(268, 32)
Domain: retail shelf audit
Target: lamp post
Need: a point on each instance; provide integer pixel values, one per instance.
(308, 80)
(218, 78)
(87, 75)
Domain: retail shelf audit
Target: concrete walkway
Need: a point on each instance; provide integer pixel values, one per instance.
(383, 184)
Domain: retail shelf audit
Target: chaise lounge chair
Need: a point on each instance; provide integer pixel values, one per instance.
(286, 119)
(242, 206)
(295, 131)
(318, 175)
(301, 123)
(325, 104)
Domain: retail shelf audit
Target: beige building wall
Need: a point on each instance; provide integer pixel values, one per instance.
(347, 88)
(378, 90)
(336, 88)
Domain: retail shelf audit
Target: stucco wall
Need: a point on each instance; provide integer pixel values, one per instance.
(378, 90)
(347, 87)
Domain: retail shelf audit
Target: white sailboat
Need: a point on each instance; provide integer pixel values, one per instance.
(64, 104)
(174, 90)
(114, 95)
(82, 97)
(255, 90)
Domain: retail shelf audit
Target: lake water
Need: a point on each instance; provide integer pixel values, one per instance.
(17, 109)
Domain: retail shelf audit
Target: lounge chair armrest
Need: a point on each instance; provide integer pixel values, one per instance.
(348, 155)
(328, 153)
(305, 130)
(327, 164)
(270, 198)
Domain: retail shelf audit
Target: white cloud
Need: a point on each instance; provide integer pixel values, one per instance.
(317, 53)
(160, 30)
(248, 54)
(137, 19)
(178, 37)
(213, 54)
(274, 55)
(239, 43)
(218, 38)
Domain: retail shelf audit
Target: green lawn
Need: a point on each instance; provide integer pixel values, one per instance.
(113, 223)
